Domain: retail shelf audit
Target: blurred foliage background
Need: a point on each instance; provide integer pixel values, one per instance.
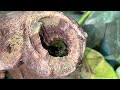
(103, 29)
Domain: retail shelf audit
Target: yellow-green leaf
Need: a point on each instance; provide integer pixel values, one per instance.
(97, 67)
(118, 72)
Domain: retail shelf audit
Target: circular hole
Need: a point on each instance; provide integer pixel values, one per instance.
(56, 48)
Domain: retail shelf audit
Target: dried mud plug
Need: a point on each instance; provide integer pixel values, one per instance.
(52, 45)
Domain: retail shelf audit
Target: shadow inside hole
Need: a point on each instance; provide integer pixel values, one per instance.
(56, 48)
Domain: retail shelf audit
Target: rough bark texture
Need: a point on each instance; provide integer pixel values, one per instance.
(21, 38)
(2, 74)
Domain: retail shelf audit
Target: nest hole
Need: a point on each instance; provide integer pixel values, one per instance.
(56, 48)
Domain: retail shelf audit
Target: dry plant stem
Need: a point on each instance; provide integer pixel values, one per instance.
(22, 35)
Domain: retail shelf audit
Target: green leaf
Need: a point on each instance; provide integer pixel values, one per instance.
(96, 25)
(102, 17)
(112, 40)
(118, 71)
(103, 28)
(95, 34)
(96, 66)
